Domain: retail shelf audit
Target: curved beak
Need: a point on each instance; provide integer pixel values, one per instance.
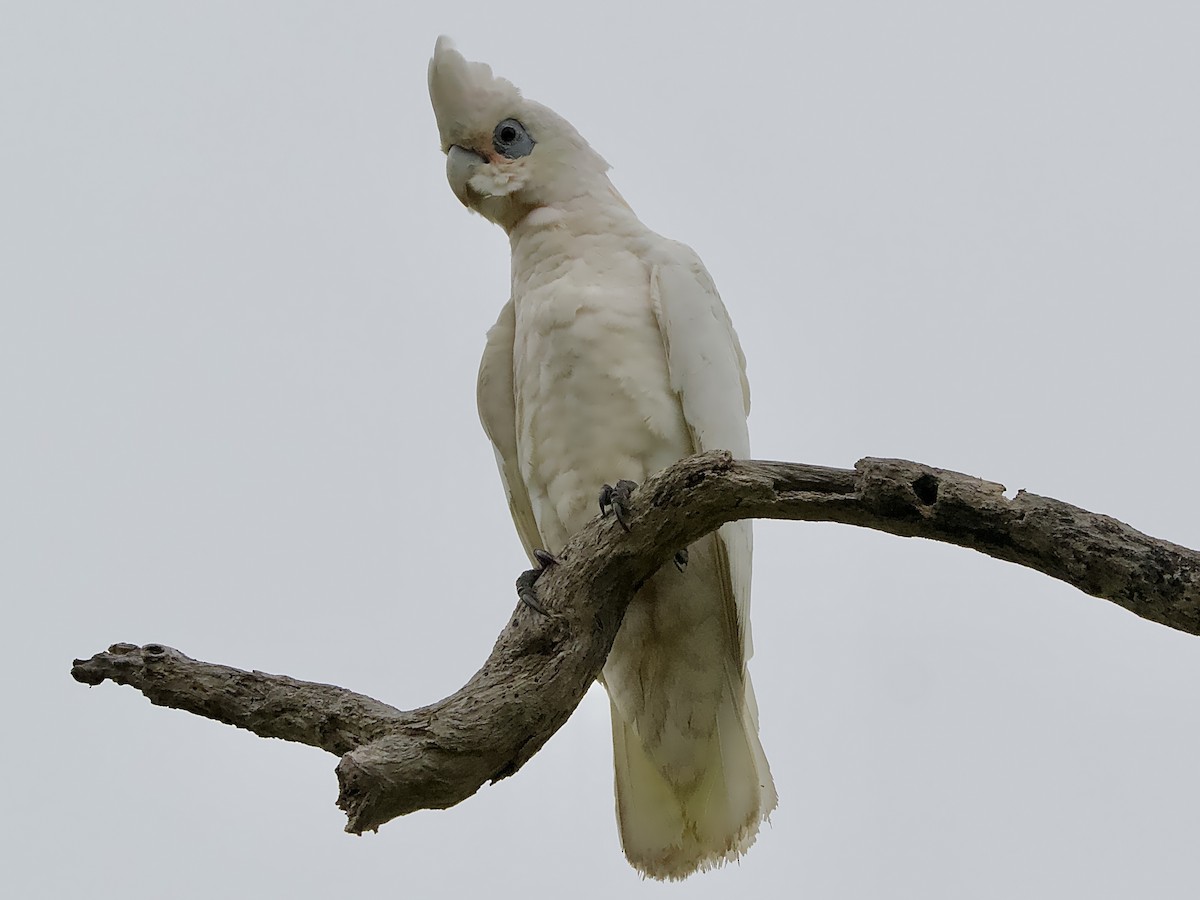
(460, 166)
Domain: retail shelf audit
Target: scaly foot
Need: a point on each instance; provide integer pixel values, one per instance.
(616, 500)
(527, 581)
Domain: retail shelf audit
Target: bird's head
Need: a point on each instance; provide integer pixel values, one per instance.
(505, 155)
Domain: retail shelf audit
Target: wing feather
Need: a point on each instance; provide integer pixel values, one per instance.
(708, 371)
(497, 412)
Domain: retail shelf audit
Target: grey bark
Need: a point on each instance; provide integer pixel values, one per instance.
(394, 762)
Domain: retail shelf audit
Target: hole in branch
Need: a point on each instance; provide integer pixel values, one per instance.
(926, 488)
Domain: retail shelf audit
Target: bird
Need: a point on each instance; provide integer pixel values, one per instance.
(613, 358)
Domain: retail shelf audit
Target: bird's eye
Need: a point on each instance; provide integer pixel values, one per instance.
(511, 140)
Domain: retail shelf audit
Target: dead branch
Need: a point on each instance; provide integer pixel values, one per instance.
(394, 762)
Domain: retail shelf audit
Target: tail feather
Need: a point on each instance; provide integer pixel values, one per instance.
(669, 831)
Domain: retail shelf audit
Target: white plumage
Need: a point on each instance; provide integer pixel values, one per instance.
(613, 358)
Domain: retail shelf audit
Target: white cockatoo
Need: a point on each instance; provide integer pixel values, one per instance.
(613, 358)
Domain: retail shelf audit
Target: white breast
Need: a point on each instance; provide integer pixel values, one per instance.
(593, 401)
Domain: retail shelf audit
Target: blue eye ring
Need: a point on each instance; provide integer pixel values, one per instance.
(511, 140)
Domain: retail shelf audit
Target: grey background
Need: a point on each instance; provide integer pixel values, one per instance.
(241, 317)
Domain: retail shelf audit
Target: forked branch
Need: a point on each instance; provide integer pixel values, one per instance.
(394, 762)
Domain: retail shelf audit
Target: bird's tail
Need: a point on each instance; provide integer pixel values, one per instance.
(669, 831)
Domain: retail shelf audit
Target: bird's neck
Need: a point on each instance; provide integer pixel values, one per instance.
(601, 210)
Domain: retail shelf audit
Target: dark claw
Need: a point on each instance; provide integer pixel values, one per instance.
(527, 592)
(681, 559)
(527, 581)
(616, 499)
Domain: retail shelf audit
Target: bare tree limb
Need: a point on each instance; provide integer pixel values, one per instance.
(320, 715)
(394, 762)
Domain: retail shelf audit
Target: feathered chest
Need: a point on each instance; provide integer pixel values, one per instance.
(593, 397)
(576, 317)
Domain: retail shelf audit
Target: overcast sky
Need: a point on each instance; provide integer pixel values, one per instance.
(240, 319)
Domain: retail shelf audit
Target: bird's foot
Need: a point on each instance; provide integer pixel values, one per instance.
(616, 500)
(681, 559)
(527, 581)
